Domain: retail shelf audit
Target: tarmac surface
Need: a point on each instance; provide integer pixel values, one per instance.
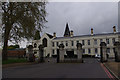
(91, 68)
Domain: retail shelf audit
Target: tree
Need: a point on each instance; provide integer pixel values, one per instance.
(20, 20)
(37, 35)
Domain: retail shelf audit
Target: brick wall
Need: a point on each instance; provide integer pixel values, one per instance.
(16, 53)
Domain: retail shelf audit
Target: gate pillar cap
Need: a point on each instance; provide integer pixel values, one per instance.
(61, 46)
(41, 46)
(103, 44)
(30, 47)
(79, 45)
(117, 43)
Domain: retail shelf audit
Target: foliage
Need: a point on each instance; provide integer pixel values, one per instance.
(37, 35)
(13, 46)
(14, 60)
(21, 20)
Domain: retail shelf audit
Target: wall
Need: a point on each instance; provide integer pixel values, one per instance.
(16, 53)
(92, 46)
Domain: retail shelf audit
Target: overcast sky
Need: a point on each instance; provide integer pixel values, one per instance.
(81, 17)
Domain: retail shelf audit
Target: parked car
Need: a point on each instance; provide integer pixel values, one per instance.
(97, 56)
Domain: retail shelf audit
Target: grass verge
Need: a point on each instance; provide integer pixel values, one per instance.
(14, 60)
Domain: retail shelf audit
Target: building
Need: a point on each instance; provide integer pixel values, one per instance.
(90, 43)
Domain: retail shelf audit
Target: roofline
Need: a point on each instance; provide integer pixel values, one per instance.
(86, 35)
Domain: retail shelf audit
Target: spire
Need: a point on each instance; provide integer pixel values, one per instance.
(67, 31)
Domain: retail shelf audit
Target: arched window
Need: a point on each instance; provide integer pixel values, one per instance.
(44, 42)
(35, 45)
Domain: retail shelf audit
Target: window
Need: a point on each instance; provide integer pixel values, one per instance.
(44, 42)
(108, 50)
(113, 40)
(95, 41)
(66, 43)
(96, 50)
(88, 42)
(89, 50)
(72, 43)
(83, 42)
(53, 51)
(77, 41)
(101, 40)
(35, 45)
(57, 43)
(83, 51)
(53, 44)
(107, 41)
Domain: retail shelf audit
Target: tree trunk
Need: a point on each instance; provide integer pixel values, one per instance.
(6, 37)
(4, 51)
(8, 27)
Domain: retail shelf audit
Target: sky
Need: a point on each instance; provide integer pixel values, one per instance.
(81, 17)
(119, 16)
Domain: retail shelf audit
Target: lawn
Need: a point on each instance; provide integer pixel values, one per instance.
(14, 60)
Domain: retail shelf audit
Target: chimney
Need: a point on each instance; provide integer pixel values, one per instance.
(91, 31)
(114, 29)
(54, 35)
(71, 33)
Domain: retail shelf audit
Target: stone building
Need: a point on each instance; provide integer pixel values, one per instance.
(90, 43)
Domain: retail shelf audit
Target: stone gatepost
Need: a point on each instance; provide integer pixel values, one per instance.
(61, 53)
(58, 60)
(30, 55)
(79, 52)
(41, 51)
(117, 51)
(103, 52)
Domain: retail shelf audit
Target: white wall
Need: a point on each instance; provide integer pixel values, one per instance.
(92, 46)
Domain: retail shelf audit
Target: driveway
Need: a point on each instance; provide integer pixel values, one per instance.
(91, 68)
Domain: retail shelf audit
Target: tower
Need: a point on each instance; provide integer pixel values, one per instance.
(67, 31)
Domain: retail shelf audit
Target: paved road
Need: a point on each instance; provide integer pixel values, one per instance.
(91, 68)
